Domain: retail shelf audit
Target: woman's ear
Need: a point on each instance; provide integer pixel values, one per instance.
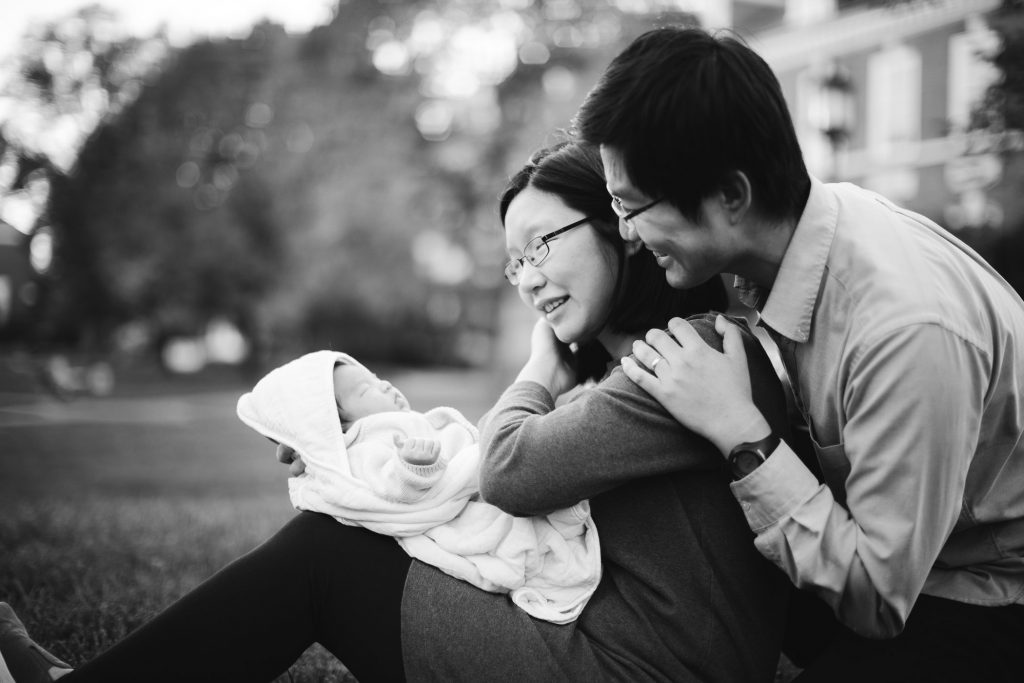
(736, 196)
(633, 246)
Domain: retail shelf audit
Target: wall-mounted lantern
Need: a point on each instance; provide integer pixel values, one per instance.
(833, 111)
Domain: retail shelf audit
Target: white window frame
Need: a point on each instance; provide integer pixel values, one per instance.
(893, 100)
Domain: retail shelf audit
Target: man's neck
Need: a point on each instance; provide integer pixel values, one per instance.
(766, 246)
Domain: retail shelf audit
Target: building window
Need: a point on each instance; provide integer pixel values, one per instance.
(807, 12)
(970, 72)
(894, 100)
(894, 122)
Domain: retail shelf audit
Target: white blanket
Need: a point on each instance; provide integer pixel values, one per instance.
(549, 565)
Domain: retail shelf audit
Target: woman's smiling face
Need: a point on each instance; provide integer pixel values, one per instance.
(574, 287)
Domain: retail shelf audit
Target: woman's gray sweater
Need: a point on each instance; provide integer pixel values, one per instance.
(684, 595)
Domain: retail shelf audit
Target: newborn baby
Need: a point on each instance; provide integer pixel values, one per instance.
(371, 461)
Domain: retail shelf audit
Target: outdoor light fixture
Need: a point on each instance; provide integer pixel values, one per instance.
(832, 110)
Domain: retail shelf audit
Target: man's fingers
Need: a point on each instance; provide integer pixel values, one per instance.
(639, 376)
(732, 341)
(663, 345)
(684, 333)
(645, 356)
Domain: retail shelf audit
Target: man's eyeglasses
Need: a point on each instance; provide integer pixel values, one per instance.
(626, 216)
(536, 251)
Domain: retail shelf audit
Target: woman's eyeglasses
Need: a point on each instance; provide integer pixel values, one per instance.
(536, 251)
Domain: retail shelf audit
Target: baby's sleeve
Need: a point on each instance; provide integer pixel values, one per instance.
(409, 483)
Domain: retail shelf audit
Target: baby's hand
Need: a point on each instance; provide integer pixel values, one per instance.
(287, 456)
(418, 451)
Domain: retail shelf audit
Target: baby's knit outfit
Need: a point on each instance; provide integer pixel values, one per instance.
(550, 565)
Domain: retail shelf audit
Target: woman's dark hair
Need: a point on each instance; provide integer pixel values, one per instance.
(685, 109)
(643, 298)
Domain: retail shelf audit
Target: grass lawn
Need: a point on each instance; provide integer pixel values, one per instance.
(112, 508)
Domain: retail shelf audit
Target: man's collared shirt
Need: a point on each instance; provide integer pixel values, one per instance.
(906, 354)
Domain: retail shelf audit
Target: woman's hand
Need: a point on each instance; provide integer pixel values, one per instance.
(550, 362)
(706, 391)
(289, 457)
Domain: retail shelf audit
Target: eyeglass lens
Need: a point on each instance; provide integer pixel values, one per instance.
(536, 251)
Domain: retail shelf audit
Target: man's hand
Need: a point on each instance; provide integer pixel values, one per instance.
(289, 457)
(418, 451)
(706, 391)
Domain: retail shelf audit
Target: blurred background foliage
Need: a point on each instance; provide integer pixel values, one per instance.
(330, 189)
(251, 198)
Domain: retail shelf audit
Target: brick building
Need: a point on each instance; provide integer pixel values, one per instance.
(881, 95)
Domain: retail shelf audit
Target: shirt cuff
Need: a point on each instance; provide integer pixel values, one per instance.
(775, 489)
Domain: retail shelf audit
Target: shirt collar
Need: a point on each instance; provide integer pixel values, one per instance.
(788, 307)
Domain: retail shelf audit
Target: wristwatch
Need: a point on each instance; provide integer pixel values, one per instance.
(749, 455)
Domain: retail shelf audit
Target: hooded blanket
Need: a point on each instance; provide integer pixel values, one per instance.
(550, 565)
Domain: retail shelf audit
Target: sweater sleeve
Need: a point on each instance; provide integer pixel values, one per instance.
(538, 458)
(405, 482)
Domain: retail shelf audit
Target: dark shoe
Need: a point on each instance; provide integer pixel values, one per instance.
(20, 657)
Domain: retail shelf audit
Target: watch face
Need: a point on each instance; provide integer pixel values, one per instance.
(745, 462)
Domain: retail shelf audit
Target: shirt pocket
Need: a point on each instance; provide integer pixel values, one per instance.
(835, 468)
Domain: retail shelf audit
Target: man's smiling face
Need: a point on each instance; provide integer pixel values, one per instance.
(691, 253)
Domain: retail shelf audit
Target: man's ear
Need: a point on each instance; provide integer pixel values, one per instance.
(736, 196)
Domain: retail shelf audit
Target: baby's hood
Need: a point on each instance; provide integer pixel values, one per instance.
(294, 405)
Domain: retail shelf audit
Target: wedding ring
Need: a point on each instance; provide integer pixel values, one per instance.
(655, 363)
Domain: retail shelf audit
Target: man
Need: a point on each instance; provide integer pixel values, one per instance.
(904, 348)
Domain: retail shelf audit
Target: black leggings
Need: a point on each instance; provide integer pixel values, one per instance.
(314, 581)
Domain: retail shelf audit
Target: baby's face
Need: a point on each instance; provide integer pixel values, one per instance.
(358, 393)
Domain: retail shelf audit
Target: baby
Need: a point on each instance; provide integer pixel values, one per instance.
(371, 461)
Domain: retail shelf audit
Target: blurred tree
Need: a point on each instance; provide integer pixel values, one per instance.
(238, 186)
(1003, 107)
(68, 76)
(1003, 112)
(334, 189)
(161, 206)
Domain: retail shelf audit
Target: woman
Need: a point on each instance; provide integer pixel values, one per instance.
(684, 594)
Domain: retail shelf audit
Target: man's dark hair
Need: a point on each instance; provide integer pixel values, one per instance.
(643, 298)
(685, 109)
